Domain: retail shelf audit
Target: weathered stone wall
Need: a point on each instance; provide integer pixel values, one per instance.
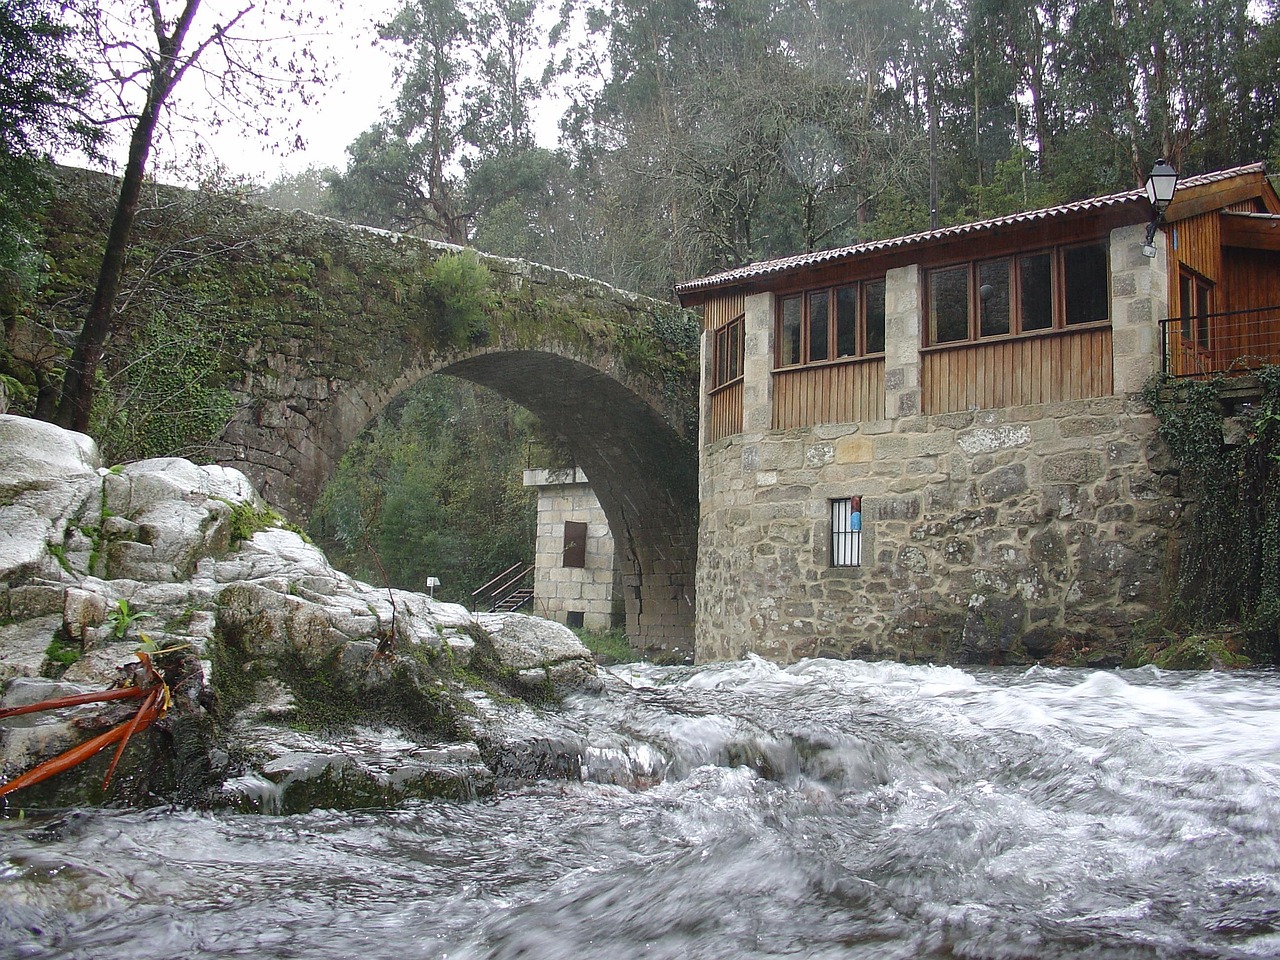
(558, 591)
(988, 535)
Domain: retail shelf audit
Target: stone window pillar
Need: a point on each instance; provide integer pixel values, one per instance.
(902, 338)
(1139, 301)
(757, 364)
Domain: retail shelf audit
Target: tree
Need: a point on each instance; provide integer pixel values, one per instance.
(145, 51)
(469, 72)
(42, 92)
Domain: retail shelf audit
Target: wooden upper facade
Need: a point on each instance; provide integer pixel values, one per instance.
(1003, 312)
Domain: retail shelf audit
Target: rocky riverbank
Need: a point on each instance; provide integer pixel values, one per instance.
(293, 685)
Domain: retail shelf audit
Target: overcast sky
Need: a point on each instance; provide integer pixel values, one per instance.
(353, 100)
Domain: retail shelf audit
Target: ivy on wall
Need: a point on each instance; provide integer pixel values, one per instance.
(1228, 573)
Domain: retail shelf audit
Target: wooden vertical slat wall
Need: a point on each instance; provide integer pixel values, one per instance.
(833, 393)
(724, 414)
(1251, 281)
(1073, 365)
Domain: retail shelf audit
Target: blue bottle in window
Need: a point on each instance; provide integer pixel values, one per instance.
(855, 514)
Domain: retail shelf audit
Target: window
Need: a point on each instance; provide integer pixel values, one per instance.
(1015, 295)
(831, 324)
(575, 544)
(727, 356)
(574, 619)
(846, 532)
(1195, 294)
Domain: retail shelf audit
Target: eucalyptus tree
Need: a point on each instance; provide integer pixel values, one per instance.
(141, 51)
(468, 73)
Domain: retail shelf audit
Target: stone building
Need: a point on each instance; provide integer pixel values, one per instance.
(574, 558)
(934, 446)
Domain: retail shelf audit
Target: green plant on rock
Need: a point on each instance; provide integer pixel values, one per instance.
(61, 653)
(459, 295)
(247, 519)
(1229, 563)
(124, 618)
(609, 646)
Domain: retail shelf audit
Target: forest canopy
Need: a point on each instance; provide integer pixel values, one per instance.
(728, 131)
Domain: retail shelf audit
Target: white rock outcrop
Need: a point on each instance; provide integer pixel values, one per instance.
(97, 558)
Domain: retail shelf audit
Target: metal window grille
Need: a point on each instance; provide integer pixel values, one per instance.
(846, 532)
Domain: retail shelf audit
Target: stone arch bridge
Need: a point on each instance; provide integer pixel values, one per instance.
(326, 323)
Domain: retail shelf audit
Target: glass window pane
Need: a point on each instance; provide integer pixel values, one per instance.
(1036, 275)
(1087, 283)
(735, 350)
(819, 317)
(1186, 292)
(875, 316)
(949, 305)
(789, 331)
(722, 337)
(993, 298)
(1202, 313)
(847, 322)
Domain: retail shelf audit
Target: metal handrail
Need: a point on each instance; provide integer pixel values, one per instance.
(505, 582)
(504, 573)
(1230, 342)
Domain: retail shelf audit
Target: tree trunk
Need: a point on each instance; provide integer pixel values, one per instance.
(78, 385)
(80, 382)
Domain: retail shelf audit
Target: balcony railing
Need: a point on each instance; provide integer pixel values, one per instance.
(1220, 343)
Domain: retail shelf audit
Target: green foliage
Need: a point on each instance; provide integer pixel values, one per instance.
(611, 646)
(124, 618)
(434, 488)
(61, 654)
(165, 395)
(1229, 565)
(247, 519)
(458, 297)
(1194, 652)
(41, 88)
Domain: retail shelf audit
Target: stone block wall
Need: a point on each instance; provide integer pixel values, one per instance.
(561, 592)
(988, 535)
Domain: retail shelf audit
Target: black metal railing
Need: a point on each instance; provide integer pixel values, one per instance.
(1214, 344)
(509, 590)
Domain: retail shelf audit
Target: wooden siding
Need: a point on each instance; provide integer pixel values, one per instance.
(1072, 365)
(1199, 246)
(844, 392)
(724, 412)
(1251, 279)
(722, 309)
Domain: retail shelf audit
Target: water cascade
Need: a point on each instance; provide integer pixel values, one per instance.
(823, 810)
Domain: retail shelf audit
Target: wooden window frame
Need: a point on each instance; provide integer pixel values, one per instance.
(832, 294)
(1194, 327)
(727, 354)
(1057, 296)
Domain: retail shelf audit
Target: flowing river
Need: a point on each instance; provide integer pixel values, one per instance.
(824, 810)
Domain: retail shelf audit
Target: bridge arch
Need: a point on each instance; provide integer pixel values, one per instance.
(612, 373)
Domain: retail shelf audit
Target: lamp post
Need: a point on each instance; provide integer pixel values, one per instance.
(1162, 183)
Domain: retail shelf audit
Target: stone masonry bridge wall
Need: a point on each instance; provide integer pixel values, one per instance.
(325, 323)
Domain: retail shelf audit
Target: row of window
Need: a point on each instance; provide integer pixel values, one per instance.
(1051, 289)
(1008, 296)
(831, 324)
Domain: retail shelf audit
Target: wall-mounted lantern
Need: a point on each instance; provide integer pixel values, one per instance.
(1161, 186)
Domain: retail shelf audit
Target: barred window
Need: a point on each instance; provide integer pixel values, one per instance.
(846, 532)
